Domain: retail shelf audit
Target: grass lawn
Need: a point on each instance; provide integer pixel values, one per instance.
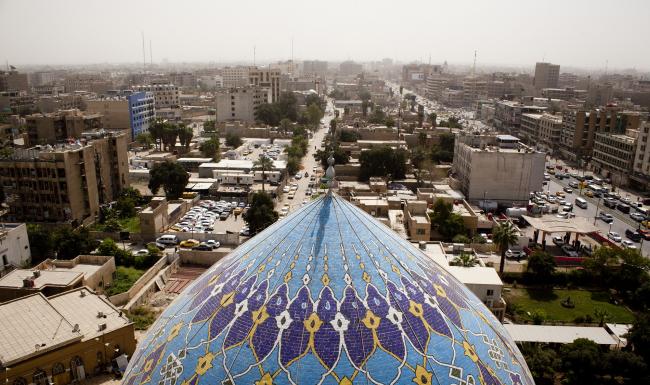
(131, 225)
(547, 300)
(125, 277)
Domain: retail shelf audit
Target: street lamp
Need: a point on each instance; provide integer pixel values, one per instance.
(597, 207)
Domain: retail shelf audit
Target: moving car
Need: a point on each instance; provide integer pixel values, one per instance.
(212, 243)
(628, 244)
(515, 254)
(637, 216)
(170, 240)
(606, 217)
(633, 235)
(568, 190)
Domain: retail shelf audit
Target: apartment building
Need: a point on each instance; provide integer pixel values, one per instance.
(417, 221)
(87, 82)
(48, 104)
(239, 104)
(266, 78)
(349, 67)
(435, 85)
(613, 156)
(495, 88)
(314, 68)
(542, 130)
(14, 246)
(507, 114)
(235, 76)
(13, 81)
(473, 90)
(65, 183)
(640, 176)
(165, 95)
(134, 112)
(183, 79)
(60, 126)
(40, 78)
(547, 75)
(452, 98)
(529, 129)
(497, 168)
(579, 128)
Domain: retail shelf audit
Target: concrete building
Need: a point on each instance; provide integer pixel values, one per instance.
(239, 104)
(497, 168)
(49, 104)
(348, 68)
(541, 130)
(267, 79)
(60, 126)
(452, 98)
(52, 277)
(529, 129)
(485, 283)
(61, 339)
(134, 112)
(229, 170)
(507, 114)
(547, 75)
(183, 79)
(417, 221)
(13, 81)
(435, 84)
(14, 246)
(165, 95)
(65, 183)
(314, 68)
(640, 176)
(235, 76)
(474, 89)
(613, 156)
(87, 82)
(41, 78)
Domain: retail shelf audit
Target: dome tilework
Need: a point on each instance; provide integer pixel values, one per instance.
(327, 296)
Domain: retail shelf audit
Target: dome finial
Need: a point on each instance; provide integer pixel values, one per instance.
(330, 173)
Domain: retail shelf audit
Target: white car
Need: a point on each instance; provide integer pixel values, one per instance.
(515, 254)
(628, 244)
(212, 243)
(286, 189)
(298, 176)
(614, 236)
(141, 253)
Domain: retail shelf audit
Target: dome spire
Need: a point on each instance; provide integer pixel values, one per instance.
(330, 173)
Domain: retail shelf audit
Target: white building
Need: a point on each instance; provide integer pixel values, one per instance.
(239, 104)
(268, 79)
(235, 76)
(238, 171)
(165, 95)
(14, 246)
(497, 168)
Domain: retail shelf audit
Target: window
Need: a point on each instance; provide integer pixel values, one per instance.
(490, 292)
(58, 368)
(20, 381)
(420, 231)
(40, 377)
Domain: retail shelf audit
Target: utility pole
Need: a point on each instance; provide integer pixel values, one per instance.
(144, 56)
(254, 55)
(150, 55)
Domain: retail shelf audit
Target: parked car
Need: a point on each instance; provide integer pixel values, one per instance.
(170, 240)
(644, 233)
(141, 253)
(633, 235)
(157, 245)
(189, 243)
(606, 217)
(245, 232)
(517, 254)
(202, 247)
(570, 251)
(224, 215)
(614, 236)
(574, 184)
(558, 241)
(628, 244)
(568, 190)
(212, 243)
(637, 216)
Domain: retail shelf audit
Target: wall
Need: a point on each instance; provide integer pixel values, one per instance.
(14, 246)
(202, 258)
(119, 299)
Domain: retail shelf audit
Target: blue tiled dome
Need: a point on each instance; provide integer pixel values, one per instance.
(327, 296)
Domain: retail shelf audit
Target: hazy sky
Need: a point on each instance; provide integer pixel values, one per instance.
(518, 32)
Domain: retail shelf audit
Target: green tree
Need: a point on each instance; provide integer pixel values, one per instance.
(70, 243)
(268, 113)
(601, 262)
(389, 122)
(107, 247)
(432, 119)
(169, 136)
(542, 266)
(333, 124)
(633, 271)
(156, 130)
(601, 315)
(264, 164)
(445, 221)
(233, 140)
(314, 115)
(126, 207)
(384, 162)
(461, 238)
(377, 117)
(285, 125)
(293, 165)
(209, 126)
(288, 106)
(348, 136)
(639, 336)
(504, 235)
(145, 139)
(40, 243)
(260, 214)
(465, 260)
(185, 135)
(625, 367)
(171, 176)
(210, 149)
(340, 157)
(581, 361)
(543, 362)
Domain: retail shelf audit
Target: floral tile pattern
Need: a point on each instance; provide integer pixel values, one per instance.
(327, 296)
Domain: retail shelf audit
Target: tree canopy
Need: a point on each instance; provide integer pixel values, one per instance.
(384, 162)
(260, 214)
(171, 176)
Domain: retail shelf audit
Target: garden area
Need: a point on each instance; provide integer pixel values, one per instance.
(142, 317)
(125, 277)
(565, 306)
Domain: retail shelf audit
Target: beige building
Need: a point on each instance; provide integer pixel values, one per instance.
(541, 129)
(61, 339)
(60, 126)
(497, 168)
(641, 168)
(613, 156)
(239, 104)
(235, 76)
(154, 219)
(14, 246)
(13, 81)
(133, 113)
(47, 104)
(417, 221)
(67, 182)
(165, 95)
(51, 277)
(267, 79)
(547, 75)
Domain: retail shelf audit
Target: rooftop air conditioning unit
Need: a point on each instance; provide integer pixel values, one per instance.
(100, 314)
(28, 282)
(37, 273)
(75, 328)
(101, 327)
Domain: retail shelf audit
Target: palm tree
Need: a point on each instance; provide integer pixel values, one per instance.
(263, 164)
(465, 260)
(504, 235)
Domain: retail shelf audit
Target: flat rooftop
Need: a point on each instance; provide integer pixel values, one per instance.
(56, 277)
(476, 275)
(435, 251)
(559, 334)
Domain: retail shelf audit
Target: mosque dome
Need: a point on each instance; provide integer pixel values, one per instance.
(327, 296)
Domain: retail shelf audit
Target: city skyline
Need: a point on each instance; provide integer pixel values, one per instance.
(92, 33)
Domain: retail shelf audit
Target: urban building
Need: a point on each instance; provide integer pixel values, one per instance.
(60, 126)
(640, 176)
(418, 73)
(18, 102)
(547, 75)
(62, 339)
(567, 79)
(235, 76)
(48, 104)
(417, 221)
(65, 183)
(14, 246)
(267, 79)
(613, 156)
(507, 114)
(52, 277)
(40, 78)
(495, 88)
(13, 80)
(87, 82)
(550, 129)
(134, 112)
(183, 79)
(435, 84)
(348, 68)
(473, 90)
(165, 95)
(452, 98)
(239, 104)
(314, 68)
(529, 129)
(497, 168)
(485, 283)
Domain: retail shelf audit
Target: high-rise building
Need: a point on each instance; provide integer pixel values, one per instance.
(312, 68)
(165, 95)
(65, 183)
(134, 112)
(266, 78)
(349, 67)
(613, 156)
(13, 81)
(547, 75)
(641, 168)
(60, 126)
(239, 104)
(235, 76)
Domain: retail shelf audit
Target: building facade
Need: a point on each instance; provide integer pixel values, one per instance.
(14, 246)
(60, 126)
(165, 95)
(239, 104)
(268, 79)
(134, 112)
(547, 75)
(13, 81)
(66, 183)
(235, 76)
(613, 156)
